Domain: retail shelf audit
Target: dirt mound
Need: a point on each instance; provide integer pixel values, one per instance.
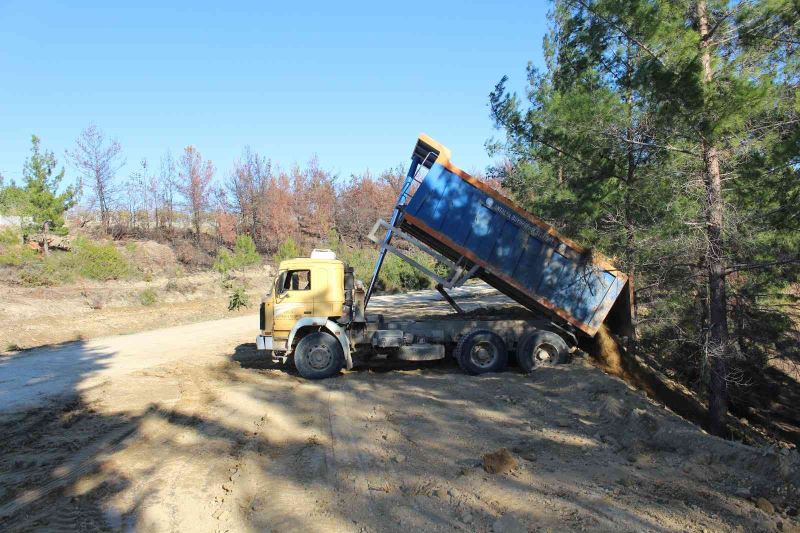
(193, 255)
(499, 461)
(152, 257)
(610, 357)
(612, 408)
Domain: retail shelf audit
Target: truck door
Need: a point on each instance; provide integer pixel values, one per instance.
(293, 300)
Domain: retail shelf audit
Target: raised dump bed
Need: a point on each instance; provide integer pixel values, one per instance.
(487, 235)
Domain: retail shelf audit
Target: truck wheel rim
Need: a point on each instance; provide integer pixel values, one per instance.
(483, 354)
(319, 357)
(545, 354)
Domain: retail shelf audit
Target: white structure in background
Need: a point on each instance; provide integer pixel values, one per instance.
(14, 220)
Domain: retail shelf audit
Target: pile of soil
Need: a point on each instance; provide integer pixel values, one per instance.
(152, 257)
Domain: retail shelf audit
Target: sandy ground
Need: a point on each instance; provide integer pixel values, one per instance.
(190, 429)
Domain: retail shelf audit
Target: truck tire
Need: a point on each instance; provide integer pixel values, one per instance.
(318, 355)
(481, 351)
(541, 348)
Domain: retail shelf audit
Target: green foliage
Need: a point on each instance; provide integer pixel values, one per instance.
(608, 144)
(52, 271)
(39, 198)
(17, 255)
(245, 250)
(238, 299)
(12, 200)
(12, 253)
(148, 297)
(287, 250)
(86, 259)
(98, 261)
(225, 262)
(244, 254)
(396, 275)
(9, 237)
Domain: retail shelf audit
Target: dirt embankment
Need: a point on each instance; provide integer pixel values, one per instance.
(38, 316)
(613, 359)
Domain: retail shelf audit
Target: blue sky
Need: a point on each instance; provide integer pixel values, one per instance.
(351, 82)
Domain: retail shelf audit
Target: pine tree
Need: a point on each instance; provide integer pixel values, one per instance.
(641, 137)
(41, 199)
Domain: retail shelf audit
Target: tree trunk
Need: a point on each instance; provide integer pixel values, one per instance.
(630, 226)
(45, 244)
(717, 313)
(101, 199)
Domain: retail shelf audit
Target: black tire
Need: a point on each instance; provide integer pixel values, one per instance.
(541, 349)
(318, 355)
(481, 351)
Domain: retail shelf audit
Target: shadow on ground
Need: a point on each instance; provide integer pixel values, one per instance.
(249, 445)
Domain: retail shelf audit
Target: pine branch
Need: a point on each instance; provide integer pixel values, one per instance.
(623, 31)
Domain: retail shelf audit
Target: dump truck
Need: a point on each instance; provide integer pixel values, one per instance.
(316, 311)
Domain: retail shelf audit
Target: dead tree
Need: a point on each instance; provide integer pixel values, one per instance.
(194, 179)
(98, 164)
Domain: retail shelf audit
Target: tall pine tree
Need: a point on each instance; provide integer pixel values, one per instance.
(642, 137)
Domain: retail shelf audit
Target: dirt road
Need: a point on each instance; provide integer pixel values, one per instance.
(191, 429)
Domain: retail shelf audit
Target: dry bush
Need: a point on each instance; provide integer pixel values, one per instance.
(95, 300)
(192, 254)
(181, 287)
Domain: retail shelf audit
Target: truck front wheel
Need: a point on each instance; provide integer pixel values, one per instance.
(542, 348)
(318, 355)
(481, 351)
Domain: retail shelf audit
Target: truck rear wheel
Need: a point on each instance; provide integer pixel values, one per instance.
(481, 351)
(318, 355)
(541, 348)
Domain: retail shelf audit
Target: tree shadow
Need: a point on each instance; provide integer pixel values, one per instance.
(771, 401)
(52, 438)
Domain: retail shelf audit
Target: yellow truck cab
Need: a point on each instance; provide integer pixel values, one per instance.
(308, 296)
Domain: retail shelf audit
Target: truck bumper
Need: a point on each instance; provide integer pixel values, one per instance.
(264, 342)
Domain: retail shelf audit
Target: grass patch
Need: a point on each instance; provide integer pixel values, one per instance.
(148, 297)
(9, 237)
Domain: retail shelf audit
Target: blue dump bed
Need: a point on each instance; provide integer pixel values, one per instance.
(519, 254)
